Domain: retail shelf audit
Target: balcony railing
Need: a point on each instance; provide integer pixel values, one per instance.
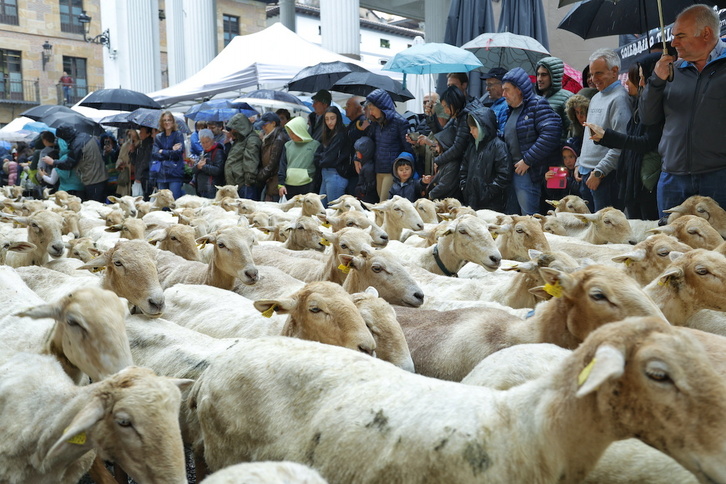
(20, 91)
(74, 93)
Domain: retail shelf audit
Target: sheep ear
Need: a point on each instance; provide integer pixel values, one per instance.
(670, 275)
(607, 364)
(22, 247)
(74, 439)
(207, 239)
(322, 196)
(156, 236)
(540, 293)
(43, 311)
(635, 256)
(100, 261)
(534, 254)
(665, 229)
(585, 217)
(268, 306)
(554, 203)
(114, 199)
(674, 255)
(182, 383)
(114, 228)
(372, 291)
(676, 209)
(350, 261)
(557, 281)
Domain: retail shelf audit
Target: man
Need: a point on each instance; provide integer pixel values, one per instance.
(388, 131)
(243, 159)
(461, 80)
(142, 160)
(316, 120)
(493, 80)
(609, 108)
(274, 138)
(550, 71)
(217, 128)
(532, 133)
(692, 107)
(356, 130)
(84, 155)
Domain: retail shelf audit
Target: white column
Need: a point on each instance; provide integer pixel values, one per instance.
(176, 45)
(340, 26)
(134, 59)
(200, 27)
(287, 14)
(435, 13)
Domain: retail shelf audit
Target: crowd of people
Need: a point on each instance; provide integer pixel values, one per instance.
(643, 147)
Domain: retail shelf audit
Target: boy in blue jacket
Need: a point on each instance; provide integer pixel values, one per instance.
(404, 184)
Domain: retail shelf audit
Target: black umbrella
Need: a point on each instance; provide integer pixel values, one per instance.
(37, 113)
(362, 83)
(600, 18)
(150, 119)
(120, 120)
(78, 121)
(119, 99)
(273, 95)
(322, 76)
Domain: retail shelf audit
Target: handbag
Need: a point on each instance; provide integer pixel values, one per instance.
(124, 176)
(155, 167)
(650, 169)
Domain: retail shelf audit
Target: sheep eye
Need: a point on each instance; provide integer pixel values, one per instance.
(701, 271)
(519, 230)
(173, 238)
(701, 210)
(659, 376)
(118, 263)
(343, 246)
(608, 222)
(376, 268)
(598, 296)
(663, 253)
(72, 322)
(351, 224)
(300, 227)
(123, 422)
(221, 245)
(463, 232)
(6, 245)
(314, 310)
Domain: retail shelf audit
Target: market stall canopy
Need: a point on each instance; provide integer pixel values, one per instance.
(271, 57)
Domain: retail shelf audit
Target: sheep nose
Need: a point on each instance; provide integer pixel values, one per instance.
(58, 248)
(632, 242)
(419, 296)
(496, 259)
(419, 226)
(366, 350)
(384, 236)
(156, 306)
(252, 274)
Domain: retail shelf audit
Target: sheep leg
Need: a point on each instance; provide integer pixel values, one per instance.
(99, 473)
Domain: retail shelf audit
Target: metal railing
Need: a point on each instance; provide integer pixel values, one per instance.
(70, 95)
(20, 91)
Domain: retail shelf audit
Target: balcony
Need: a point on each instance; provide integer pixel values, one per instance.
(19, 91)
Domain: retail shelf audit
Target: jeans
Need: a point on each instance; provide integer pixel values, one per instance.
(97, 192)
(174, 186)
(606, 194)
(674, 189)
(333, 185)
(528, 193)
(249, 192)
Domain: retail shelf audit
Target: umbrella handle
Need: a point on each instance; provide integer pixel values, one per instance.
(671, 70)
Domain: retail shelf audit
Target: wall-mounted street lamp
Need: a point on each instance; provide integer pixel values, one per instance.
(103, 38)
(47, 51)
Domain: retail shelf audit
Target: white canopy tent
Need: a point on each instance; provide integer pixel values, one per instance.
(266, 59)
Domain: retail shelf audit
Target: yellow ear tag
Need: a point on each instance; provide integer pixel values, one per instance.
(98, 269)
(264, 231)
(664, 283)
(628, 262)
(201, 246)
(554, 290)
(585, 372)
(268, 312)
(345, 268)
(326, 225)
(325, 241)
(79, 439)
(494, 235)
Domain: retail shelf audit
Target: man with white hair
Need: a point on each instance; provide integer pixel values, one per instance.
(609, 107)
(693, 108)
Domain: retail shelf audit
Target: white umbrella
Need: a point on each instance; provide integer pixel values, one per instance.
(272, 104)
(14, 131)
(507, 50)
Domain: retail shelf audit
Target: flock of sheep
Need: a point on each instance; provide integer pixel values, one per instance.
(386, 343)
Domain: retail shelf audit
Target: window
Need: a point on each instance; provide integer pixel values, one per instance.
(9, 12)
(76, 68)
(69, 12)
(12, 77)
(385, 44)
(231, 28)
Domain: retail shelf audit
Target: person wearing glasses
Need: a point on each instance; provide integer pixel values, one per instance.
(498, 103)
(167, 156)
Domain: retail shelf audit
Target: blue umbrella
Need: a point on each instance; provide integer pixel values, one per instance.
(37, 127)
(432, 58)
(219, 110)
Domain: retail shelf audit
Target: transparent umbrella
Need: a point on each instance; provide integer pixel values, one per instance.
(432, 58)
(507, 50)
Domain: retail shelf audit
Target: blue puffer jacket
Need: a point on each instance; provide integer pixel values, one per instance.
(172, 161)
(389, 134)
(538, 128)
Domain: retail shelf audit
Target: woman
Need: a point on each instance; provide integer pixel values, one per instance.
(67, 180)
(333, 156)
(639, 163)
(124, 164)
(167, 156)
(209, 170)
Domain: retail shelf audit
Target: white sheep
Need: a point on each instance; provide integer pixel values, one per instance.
(52, 426)
(649, 257)
(516, 235)
(384, 272)
(692, 230)
(354, 218)
(266, 473)
(401, 427)
(398, 213)
(44, 231)
(704, 207)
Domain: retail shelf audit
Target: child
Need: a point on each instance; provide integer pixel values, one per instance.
(365, 190)
(572, 185)
(297, 163)
(403, 183)
(333, 156)
(486, 174)
(445, 182)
